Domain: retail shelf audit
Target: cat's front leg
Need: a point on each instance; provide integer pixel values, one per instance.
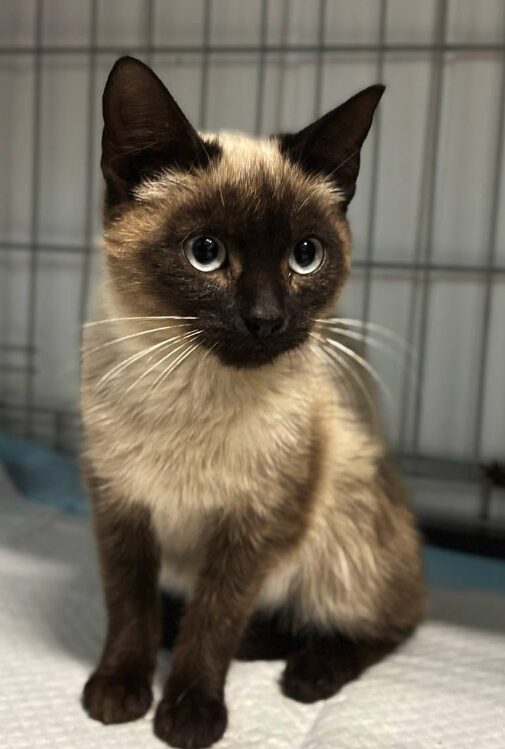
(192, 712)
(120, 688)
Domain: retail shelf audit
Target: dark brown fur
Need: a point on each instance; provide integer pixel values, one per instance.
(120, 688)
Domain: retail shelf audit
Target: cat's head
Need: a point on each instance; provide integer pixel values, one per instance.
(248, 236)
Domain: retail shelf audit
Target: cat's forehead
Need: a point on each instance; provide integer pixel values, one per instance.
(244, 154)
(247, 173)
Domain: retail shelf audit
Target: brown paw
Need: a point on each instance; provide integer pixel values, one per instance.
(193, 721)
(309, 677)
(116, 698)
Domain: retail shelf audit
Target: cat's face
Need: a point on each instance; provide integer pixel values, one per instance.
(248, 237)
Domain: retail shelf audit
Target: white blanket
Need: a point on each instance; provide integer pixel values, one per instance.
(445, 689)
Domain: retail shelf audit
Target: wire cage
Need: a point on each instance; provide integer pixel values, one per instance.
(428, 219)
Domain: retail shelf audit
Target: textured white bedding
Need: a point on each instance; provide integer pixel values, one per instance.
(445, 689)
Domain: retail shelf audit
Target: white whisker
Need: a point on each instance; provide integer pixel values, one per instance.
(381, 346)
(173, 365)
(142, 317)
(156, 364)
(342, 163)
(126, 362)
(374, 327)
(324, 357)
(209, 351)
(135, 357)
(372, 406)
(349, 369)
(363, 363)
(135, 335)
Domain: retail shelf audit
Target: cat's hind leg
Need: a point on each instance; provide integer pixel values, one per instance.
(326, 663)
(268, 638)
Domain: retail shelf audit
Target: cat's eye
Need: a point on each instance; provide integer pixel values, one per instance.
(205, 253)
(306, 256)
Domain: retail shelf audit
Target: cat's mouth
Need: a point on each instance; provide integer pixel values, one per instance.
(246, 350)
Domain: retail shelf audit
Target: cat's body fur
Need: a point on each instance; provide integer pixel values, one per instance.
(213, 439)
(252, 487)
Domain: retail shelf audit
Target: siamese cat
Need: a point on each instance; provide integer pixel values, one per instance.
(224, 460)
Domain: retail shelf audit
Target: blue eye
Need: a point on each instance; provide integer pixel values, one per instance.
(205, 253)
(306, 256)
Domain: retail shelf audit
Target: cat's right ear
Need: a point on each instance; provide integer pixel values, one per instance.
(144, 131)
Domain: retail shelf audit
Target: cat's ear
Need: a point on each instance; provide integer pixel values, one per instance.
(144, 130)
(331, 145)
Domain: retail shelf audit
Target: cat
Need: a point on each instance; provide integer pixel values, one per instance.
(224, 460)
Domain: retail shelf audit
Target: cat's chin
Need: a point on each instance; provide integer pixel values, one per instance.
(252, 358)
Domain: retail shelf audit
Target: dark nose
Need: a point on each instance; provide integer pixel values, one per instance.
(261, 327)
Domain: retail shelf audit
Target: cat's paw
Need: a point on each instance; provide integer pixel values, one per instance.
(193, 721)
(116, 698)
(309, 678)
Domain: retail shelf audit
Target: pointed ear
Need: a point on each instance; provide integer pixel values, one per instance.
(144, 130)
(331, 145)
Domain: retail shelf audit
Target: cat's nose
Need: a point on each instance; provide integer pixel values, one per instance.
(261, 327)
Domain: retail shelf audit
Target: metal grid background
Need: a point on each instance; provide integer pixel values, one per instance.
(252, 54)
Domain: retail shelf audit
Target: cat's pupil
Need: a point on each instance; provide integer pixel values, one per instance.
(205, 250)
(305, 253)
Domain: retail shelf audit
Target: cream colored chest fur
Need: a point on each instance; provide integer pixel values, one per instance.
(206, 440)
(214, 439)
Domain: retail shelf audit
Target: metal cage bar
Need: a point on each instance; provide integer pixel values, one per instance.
(260, 84)
(205, 51)
(436, 105)
(34, 221)
(249, 49)
(486, 493)
(372, 208)
(90, 166)
(318, 89)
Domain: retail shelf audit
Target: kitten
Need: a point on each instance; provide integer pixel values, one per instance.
(219, 451)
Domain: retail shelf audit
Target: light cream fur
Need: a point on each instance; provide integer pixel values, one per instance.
(210, 437)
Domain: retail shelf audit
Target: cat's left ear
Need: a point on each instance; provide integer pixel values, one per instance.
(331, 145)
